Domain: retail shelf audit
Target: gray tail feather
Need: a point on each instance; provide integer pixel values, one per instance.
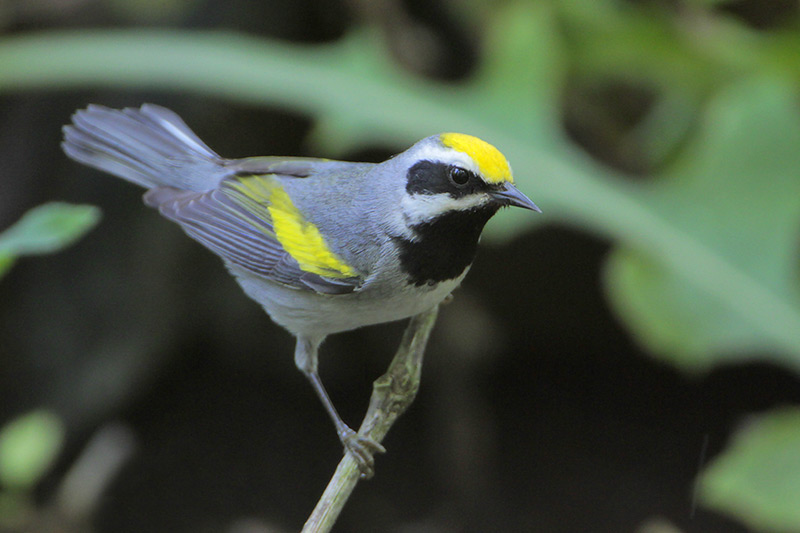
(150, 146)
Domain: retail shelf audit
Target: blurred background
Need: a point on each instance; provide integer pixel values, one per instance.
(626, 361)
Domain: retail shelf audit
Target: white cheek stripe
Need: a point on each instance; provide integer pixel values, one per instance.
(419, 208)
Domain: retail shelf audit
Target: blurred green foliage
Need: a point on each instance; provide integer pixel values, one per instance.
(734, 196)
(705, 268)
(756, 480)
(29, 445)
(45, 229)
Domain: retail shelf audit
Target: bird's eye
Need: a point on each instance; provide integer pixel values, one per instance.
(459, 176)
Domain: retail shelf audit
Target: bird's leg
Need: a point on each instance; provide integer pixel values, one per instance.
(361, 447)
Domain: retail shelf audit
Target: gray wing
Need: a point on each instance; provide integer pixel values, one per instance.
(243, 235)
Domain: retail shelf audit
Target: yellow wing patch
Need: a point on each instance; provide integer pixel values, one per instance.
(492, 164)
(299, 237)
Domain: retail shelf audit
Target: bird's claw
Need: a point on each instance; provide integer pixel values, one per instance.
(362, 448)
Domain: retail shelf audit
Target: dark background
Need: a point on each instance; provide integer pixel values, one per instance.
(537, 411)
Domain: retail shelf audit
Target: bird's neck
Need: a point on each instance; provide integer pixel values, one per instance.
(444, 246)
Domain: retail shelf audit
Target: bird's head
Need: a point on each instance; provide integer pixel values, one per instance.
(453, 172)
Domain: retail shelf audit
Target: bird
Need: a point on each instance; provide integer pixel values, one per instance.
(323, 246)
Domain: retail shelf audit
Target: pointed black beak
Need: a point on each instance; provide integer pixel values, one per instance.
(510, 195)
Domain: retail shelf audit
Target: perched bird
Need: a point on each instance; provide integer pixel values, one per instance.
(323, 246)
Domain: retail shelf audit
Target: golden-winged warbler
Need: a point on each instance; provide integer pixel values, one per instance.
(323, 246)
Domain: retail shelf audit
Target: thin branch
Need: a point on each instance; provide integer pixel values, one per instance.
(392, 393)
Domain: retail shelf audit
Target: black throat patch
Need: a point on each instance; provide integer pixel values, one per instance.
(445, 245)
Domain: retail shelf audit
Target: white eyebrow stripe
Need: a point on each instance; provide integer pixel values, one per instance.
(448, 156)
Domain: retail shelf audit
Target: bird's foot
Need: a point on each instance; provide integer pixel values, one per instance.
(362, 448)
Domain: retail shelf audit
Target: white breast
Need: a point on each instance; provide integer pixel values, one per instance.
(307, 313)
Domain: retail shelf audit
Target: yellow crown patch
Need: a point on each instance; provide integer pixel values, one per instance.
(492, 164)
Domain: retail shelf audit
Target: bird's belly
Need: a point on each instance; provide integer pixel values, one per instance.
(311, 314)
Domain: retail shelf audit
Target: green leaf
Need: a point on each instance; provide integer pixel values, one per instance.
(28, 446)
(757, 479)
(735, 199)
(45, 229)
(6, 262)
